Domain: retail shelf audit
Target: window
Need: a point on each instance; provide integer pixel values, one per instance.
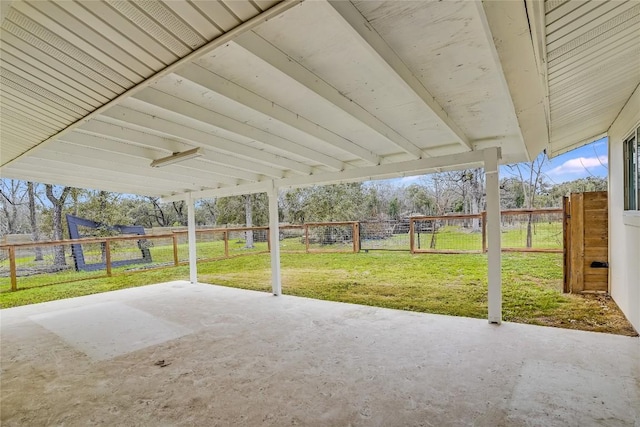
(632, 171)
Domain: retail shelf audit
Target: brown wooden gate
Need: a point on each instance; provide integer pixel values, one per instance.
(586, 245)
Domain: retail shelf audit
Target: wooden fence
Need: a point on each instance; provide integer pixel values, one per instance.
(522, 231)
(167, 250)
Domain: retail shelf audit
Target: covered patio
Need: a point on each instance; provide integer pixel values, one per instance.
(184, 354)
(188, 100)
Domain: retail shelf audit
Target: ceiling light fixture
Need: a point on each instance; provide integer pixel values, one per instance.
(177, 157)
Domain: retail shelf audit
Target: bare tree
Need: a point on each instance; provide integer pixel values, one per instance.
(469, 184)
(12, 200)
(209, 207)
(58, 205)
(181, 214)
(442, 194)
(35, 232)
(531, 178)
(158, 213)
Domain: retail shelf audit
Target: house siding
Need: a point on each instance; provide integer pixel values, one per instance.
(624, 227)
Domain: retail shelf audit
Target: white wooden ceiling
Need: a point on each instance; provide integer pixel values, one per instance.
(93, 91)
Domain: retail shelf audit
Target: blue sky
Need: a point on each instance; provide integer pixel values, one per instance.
(590, 160)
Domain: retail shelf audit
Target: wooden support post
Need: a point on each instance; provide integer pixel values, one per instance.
(576, 249)
(412, 243)
(306, 237)
(226, 244)
(566, 240)
(356, 237)
(269, 239)
(107, 252)
(176, 260)
(12, 269)
(484, 232)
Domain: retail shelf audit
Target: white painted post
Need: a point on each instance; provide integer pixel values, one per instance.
(191, 222)
(491, 156)
(274, 236)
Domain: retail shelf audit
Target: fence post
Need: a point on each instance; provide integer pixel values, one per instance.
(566, 243)
(356, 235)
(12, 268)
(107, 252)
(269, 239)
(174, 238)
(411, 238)
(226, 244)
(306, 237)
(484, 232)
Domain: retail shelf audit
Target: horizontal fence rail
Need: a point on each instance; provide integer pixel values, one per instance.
(22, 265)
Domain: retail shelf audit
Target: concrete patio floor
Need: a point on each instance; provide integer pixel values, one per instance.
(203, 355)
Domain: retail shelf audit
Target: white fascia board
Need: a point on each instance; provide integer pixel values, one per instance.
(384, 171)
(379, 48)
(387, 170)
(238, 190)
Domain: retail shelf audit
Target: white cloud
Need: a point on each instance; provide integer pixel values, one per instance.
(409, 179)
(579, 164)
(601, 142)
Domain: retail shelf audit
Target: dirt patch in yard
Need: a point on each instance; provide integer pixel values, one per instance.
(587, 312)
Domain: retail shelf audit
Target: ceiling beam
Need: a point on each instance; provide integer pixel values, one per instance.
(110, 146)
(220, 160)
(83, 173)
(77, 181)
(367, 173)
(387, 170)
(506, 27)
(378, 47)
(238, 190)
(149, 155)
(123, 167)
(211, 118)
(270, 54)
(193, 137)
(230, 90)
(128, 164)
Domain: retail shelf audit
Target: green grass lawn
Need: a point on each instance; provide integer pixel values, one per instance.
(434, 283)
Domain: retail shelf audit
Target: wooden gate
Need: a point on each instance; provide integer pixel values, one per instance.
(586, 246)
